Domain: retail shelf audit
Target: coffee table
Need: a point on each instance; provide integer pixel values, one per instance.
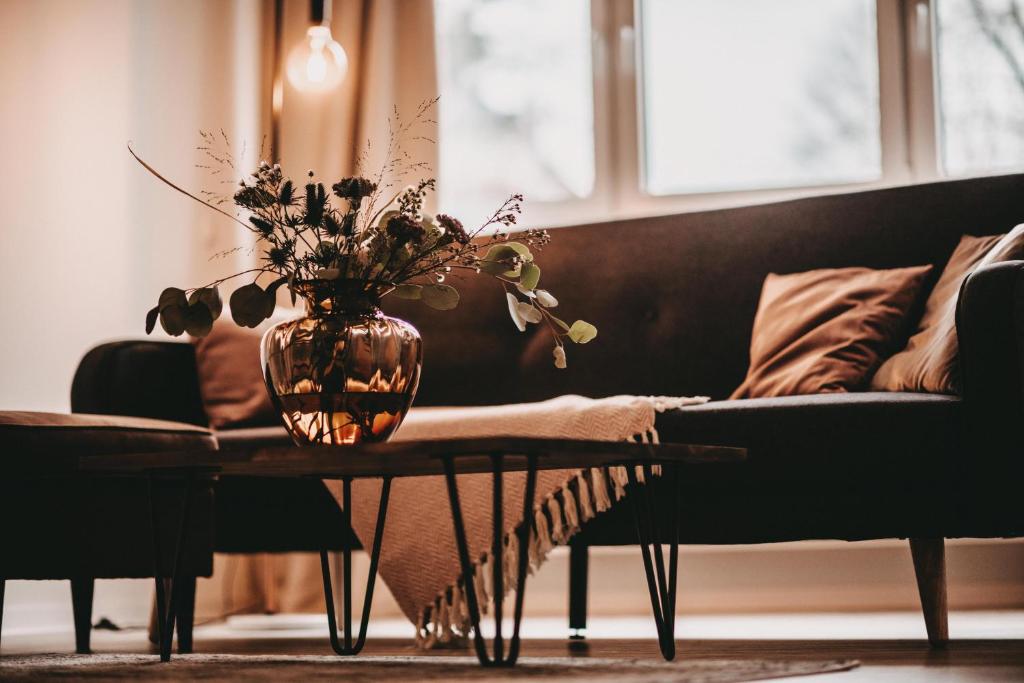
(448, 457)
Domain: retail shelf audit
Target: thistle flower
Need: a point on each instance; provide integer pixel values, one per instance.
(331, 225)
(279, 256)
(354, 189)
(265, 227)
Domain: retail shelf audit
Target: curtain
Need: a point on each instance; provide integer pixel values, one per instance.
(391, 71)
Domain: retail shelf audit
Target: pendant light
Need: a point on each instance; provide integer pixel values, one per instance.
(318, 63)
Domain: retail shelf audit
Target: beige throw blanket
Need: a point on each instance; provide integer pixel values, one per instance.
(419, 560)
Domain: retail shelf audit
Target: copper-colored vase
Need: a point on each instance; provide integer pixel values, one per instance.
(345, 373)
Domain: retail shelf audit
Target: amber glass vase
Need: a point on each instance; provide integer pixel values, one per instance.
(345, 373)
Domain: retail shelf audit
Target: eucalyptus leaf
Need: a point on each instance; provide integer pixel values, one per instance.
(172, 296)
(529, 275)
(495, 261)
(411, 292)
(559, 354)
(172, 319)
(558, 321)
(528, 313)
(151, 317)
(271, 301)
(209, 296)
(249, 305)
(513, 310)
(198, 319)
(581, 332)
(545, 299)
(520, 249)
(526, 292)
(441, 297)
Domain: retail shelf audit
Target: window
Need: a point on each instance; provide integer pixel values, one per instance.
(516, 112)
(791, 100)
(613, 108)
(980, 66)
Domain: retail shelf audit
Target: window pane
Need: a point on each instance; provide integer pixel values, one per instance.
(751, 94)
(516, 109)
(980, 61)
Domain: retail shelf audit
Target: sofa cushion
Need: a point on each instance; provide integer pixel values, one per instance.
(231, 377)
(54, 441)
(827, 330)
(839, 440)
(929, 362)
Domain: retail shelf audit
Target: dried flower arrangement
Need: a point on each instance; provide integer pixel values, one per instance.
(310, 237)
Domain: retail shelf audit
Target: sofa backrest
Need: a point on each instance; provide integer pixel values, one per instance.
(674, 297)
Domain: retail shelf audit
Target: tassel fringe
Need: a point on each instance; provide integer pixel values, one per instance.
(555, 521)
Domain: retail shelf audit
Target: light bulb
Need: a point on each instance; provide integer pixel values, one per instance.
(318, 63)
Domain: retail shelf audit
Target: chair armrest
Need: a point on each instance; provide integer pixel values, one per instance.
(990, 331)
(141, 379)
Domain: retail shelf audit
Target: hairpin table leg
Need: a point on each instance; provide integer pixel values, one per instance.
(349, 647)
(661, 586)
(500, 657)
(167, 596)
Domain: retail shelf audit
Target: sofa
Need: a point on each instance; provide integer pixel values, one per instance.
(674, 298)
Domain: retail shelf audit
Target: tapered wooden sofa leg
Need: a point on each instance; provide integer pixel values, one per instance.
(930, 567)
(81, 603)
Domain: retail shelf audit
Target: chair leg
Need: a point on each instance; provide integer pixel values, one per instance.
(3, 586)
(578, 568)
(186, 613)
(930, 567)
(81, 604)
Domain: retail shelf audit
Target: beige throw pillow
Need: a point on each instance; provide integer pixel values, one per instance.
(825, 330)
(929, 361)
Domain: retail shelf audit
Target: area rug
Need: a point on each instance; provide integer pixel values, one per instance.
(418, 560)
(115, 667)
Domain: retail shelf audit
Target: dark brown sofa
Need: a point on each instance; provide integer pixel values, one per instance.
(674, 298)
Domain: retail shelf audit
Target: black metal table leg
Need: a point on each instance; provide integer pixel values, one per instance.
(661, 585)
(350, 648)
(500, 657)
(166, 596)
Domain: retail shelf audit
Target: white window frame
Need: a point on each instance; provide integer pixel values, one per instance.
(907, 110)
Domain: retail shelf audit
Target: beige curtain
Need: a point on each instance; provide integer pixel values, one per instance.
(390, 48)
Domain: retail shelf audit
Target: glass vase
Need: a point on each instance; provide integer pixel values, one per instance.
(344, 373)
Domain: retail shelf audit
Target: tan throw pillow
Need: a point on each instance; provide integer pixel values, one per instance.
(826, 330)
(231, 379)
(929, 361)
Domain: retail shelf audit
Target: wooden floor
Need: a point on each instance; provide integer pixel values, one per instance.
(906, 660)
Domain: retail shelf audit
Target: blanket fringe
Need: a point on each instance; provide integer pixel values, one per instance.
(555, 520)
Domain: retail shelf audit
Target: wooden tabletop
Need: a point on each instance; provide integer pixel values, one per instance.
(409, 458)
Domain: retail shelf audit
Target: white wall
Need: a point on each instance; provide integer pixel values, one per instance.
(87, 238)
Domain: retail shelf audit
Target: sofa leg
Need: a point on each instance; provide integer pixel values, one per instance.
(186, 600)
(81, 604)
(578, 568)
(930, 567)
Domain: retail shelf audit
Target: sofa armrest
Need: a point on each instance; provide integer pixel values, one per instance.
(139, 378)
(990, 331)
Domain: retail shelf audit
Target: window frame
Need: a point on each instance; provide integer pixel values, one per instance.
(908, 126)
